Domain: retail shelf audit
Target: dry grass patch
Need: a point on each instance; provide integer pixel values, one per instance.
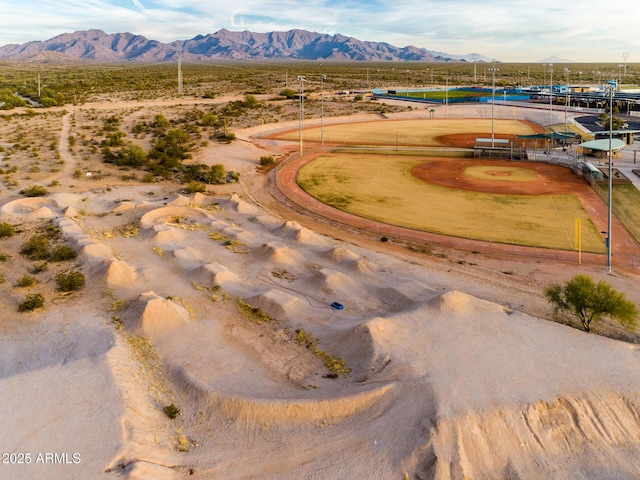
(381, 187)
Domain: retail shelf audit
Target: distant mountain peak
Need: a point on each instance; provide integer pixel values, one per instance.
(294, 44)
(555, 59)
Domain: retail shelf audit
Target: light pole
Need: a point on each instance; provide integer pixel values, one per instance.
(301, 79)
(550, 92)
(493, 102)
(612, 88)
(446, 95)
(322, 79)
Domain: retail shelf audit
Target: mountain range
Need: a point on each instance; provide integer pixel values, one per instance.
(221, 45)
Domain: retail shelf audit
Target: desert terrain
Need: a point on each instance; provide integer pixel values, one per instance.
(218, 304)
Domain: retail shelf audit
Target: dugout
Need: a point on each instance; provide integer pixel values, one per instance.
(592, 172)
(498, 148)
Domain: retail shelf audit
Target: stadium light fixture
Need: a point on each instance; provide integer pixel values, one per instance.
(301, 79)
(612, 88)
(322, 79)
(493, 70)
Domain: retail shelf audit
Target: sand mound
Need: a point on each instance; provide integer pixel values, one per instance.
(42, 212)
(404, 295)
(33, 207)
(363, 265)
(215, 274)
(288, 229)
(169, 237)
(125, 207)
(201, 199)
(341, 254)
(240, 234)
(179, 201)
(293, 230)
(70, 212)
(368, 354)
(276, 303)
(288, 412)
(68, 227)
(189, 257)
(152, 315)
(219, 225)
(119, 274)
(164, 214)
(95, 252)
(305, 235)
(241, 206)
(333, 281)
(278, 253)
(461, 304)
(578, 436)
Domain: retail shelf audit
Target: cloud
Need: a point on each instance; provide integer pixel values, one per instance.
(510, 31)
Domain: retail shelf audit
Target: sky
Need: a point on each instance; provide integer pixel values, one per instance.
(506, 30)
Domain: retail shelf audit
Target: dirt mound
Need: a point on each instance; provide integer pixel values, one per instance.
(241, 206)
(167, 214)
(168, 237)
(404, 295)
(461, 304)
(179, 201)
(276, 303)
(278, 253)
(189, 257)
(152, 315)
(333, 282)
(240, 234)
(119, 274)
(33, 207)
(600, 428)
(341, 254)
(253, 411)
(369, 354)
(215, 274)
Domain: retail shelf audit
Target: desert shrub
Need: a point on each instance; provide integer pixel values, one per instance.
(171, 411)
(62, 253)
(288, 93)
(40, 267)
(266, 160)
(26, 281)
(36, 248)
(6, 230)
(195, 187)
(69, 282)
(31, 302)
(34, 191)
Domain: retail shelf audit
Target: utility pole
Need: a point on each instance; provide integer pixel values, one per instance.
(180, 69)
(301, 79)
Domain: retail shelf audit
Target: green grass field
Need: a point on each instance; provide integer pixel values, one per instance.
(381, 187)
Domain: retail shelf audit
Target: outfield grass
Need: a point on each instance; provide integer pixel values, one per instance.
(420, 132)
(381, 187)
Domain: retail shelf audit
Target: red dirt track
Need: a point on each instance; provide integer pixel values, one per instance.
(551, 179)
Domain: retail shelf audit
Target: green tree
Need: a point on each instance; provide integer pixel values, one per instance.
(590, 301)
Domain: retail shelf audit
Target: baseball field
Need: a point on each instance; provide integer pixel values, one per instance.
(522, 203)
